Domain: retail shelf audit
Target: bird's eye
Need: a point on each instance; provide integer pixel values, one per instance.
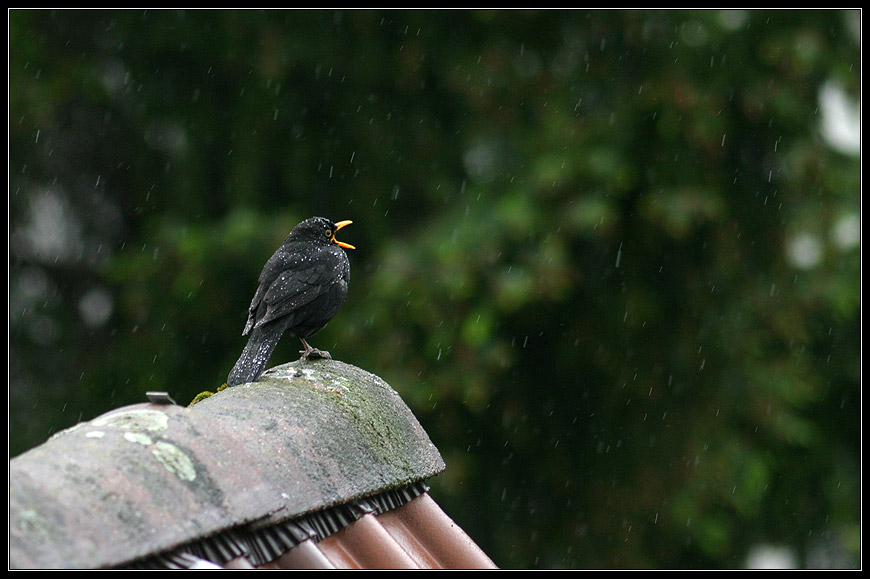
(328, 233)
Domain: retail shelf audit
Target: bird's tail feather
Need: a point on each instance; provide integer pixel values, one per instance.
(260, 346)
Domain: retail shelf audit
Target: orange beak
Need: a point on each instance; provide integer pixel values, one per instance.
(338, 226)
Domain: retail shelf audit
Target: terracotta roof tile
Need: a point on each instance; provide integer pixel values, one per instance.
(418, 535)
(320, 466)
(415, 535)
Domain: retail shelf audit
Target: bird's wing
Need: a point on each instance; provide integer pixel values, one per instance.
(295, 285)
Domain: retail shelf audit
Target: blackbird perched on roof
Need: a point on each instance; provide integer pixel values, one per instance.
(302, 286)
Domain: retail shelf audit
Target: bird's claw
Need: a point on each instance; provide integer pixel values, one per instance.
(314, 353)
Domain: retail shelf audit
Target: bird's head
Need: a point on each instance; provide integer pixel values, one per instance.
(322, 230)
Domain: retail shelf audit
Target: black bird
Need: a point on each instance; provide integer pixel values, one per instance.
(302, 286)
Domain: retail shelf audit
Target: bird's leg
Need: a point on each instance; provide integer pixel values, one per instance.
(309, 352)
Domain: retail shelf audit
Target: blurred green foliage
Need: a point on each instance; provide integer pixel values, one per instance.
(611, 259)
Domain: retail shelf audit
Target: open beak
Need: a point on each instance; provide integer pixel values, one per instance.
(338, 226)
